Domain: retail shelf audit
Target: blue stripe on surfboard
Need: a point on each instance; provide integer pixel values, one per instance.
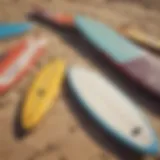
(108, 40)
(13, 29)
(151, 149)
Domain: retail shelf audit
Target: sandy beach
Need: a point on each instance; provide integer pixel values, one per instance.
(62, 134)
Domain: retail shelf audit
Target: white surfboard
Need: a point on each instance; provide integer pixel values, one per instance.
(112, 109)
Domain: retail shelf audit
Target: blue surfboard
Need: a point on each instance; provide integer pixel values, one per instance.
(13, 29)
(127, 57)
(112, 109)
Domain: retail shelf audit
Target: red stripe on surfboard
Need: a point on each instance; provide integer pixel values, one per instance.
(25, 70)
(12, 54)
(63, 19)
(21, 74)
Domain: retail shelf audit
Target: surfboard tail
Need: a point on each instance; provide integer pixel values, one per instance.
(61, 19)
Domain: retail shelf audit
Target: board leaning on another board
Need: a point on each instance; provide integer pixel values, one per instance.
(8, 30)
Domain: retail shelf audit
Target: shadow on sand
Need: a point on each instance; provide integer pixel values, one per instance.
(19, 132)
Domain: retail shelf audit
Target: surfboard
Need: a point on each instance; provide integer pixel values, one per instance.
(139, 36)
(129, 59)
(19, 60)
(42, 94)
(112, 109)
(13, 29)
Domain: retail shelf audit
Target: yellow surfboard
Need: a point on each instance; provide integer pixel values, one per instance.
(42, 93)
(139, 36)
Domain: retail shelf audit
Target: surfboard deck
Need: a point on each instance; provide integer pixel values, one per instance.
(19, 60)
(42, 94)
(112, 109)
(139, 36)
(13, 29)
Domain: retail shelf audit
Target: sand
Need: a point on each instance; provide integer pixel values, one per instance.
(61, 135)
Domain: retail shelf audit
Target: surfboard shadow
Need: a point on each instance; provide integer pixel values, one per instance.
(97, 133)
(18, 131)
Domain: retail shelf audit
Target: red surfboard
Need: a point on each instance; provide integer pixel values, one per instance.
(19, 60)
(127, 57)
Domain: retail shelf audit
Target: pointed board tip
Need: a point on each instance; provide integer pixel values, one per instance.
(8, 30)
(17, 24)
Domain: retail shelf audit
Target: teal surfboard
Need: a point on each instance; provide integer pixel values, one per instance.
(13, 29)
(107, 40)
(128, 58)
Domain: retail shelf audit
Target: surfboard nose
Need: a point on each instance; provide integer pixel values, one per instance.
(13, 29)
(25, 25)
